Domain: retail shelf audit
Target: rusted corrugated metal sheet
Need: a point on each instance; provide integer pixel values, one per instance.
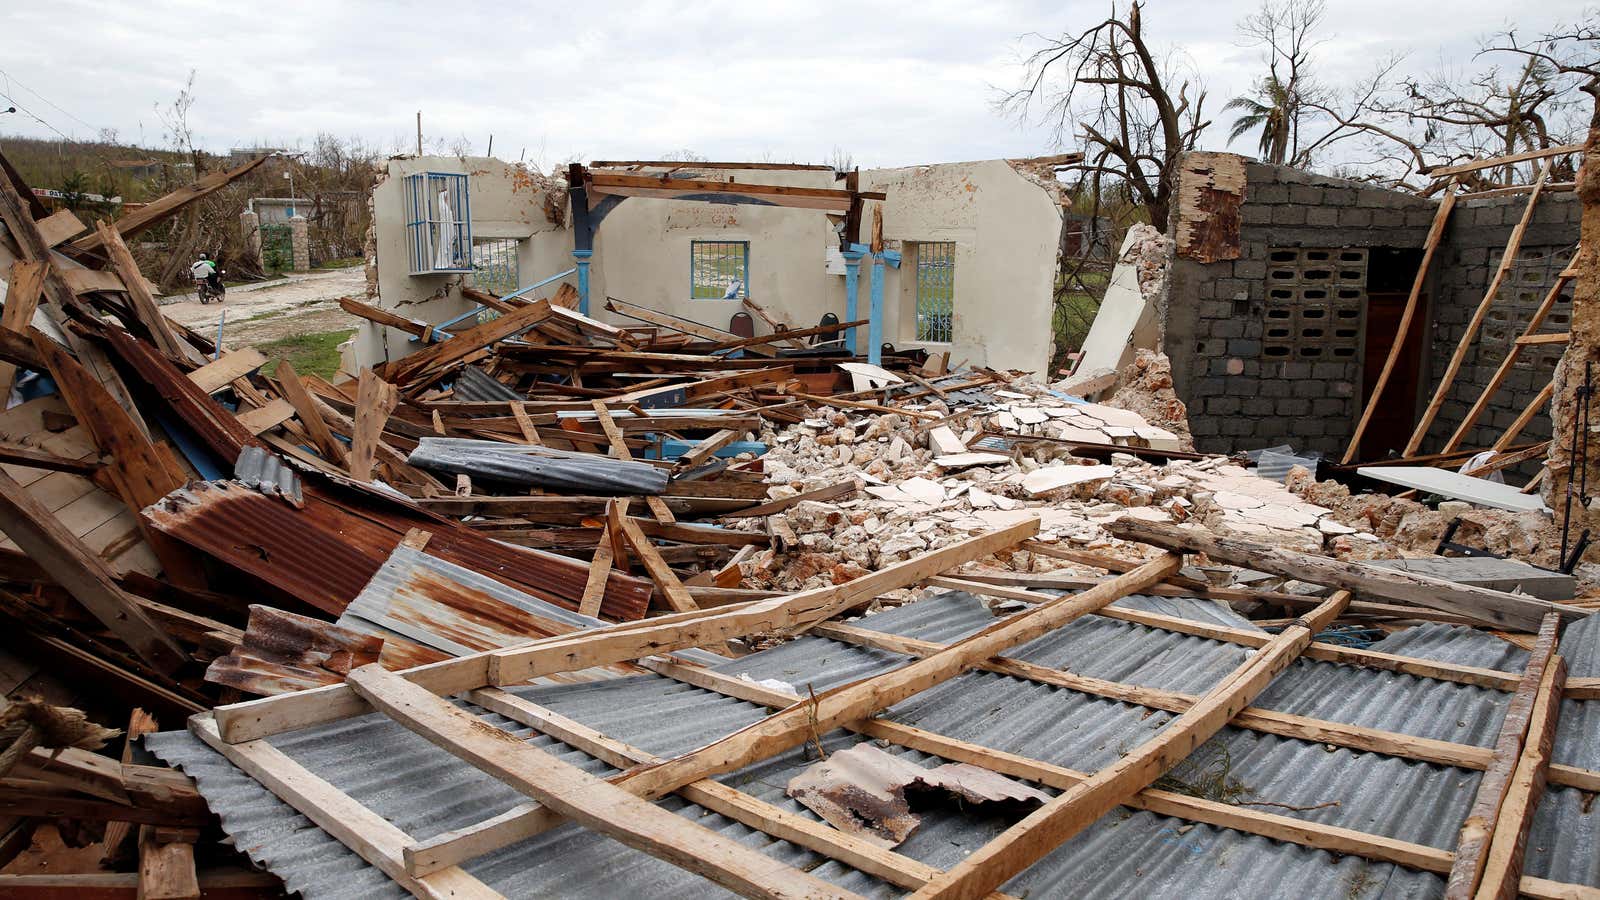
(325, 553)
(283, 652)
(453, 609)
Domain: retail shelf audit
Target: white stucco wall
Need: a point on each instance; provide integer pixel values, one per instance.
(1005, 226)
(507, 202)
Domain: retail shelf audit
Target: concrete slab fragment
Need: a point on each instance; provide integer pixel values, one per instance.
(1457, 486)
(1488, 572)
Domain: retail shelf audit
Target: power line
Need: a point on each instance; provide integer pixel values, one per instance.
(20, 108)
(10, 80)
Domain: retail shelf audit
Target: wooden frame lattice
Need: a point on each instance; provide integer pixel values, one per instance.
(621, 806)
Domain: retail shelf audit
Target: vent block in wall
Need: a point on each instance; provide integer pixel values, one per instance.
(1315, 303)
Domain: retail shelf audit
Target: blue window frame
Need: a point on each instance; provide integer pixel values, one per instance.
(438, 222)
(719, 270)
(936, 290)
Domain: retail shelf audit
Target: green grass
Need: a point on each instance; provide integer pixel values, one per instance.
(1074, 313)
(346, 262)
(317, 352)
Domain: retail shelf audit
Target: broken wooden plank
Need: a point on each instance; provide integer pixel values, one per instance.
(385, 317)
(270, 416)
(24, 289)
(1510, 611)
(294, 390)
(1502, 871)
(166, 869)
(1477, 165)
(375, 400)
(432, 361)
(222, 371)
(260, 718)
(704, 450)
(142, 300)
(82, 573)
(672, 590)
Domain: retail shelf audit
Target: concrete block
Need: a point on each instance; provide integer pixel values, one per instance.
(1328, 406)
(1250, 268)
(1388, 218)
(1258, 406)
(1256, 214)
(1275, 389)
(1305, 194)
(1222, 406)
(1488, 572)
(1352, 217)
(1288, 215)
(1308, 389)
(1266, 193)
(1294, 406)
(1323, 216)
(1225, 328)
(1329, 370)
(1244, 347)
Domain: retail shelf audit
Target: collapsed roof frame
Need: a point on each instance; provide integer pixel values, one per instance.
(1488, 856)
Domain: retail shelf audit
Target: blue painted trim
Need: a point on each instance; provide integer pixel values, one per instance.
(672, 448)
(582, 268)
(875, 326)
(852, 284)
(582, 256)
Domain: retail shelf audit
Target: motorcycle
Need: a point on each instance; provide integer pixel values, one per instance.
(211, 288)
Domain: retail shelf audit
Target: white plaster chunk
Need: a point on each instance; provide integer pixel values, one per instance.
(943, 441)
(1031, 416)
(922, 490)
(1050, 478)
(966, 460)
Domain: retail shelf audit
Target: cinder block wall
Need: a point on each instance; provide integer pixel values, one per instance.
(1240, 397)
(1243, 392)
(1474, 243)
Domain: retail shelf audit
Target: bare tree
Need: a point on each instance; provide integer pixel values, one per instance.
(1284, 29)
(1107, 88)
(842, 160)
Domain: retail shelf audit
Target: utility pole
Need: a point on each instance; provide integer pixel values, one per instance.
(419, 132)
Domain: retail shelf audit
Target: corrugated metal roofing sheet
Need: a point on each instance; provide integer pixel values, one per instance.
(1125, 853)
(535, 466)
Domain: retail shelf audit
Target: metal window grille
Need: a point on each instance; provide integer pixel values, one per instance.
(1315, 305)
(494, 266)
(438, 223)
(719, 269)
(936, 290)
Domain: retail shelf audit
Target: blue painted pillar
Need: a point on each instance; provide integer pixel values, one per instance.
(875, 327)
(852, 279)
(582, 256)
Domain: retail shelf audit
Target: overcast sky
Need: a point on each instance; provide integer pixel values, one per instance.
(889, 83)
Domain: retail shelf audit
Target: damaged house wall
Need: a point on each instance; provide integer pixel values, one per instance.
(1281, 344)
(508, 201)
(1005, 226)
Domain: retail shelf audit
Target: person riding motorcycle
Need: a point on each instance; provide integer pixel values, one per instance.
(204, 271)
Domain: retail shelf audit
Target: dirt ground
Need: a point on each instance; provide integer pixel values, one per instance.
(258, 314)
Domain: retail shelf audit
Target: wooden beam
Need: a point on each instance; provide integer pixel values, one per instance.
(851, 702)
(672, 590)
(432, 361)
(372, 837)
(864, 855)
(599, 570)
(166, 869)
(1070, 812)
(1183, 806)
(375, 400)
(83, 574)
(584, 798)
(157, 211)
(1530, 340)
(24, 288)
(1507, 259)
(1534, 407)
(270, 416)
(602, 183)
(142, 302)
(619, 445)
(255, 719)
(1477, 832)
(1502, 872)
(704, 450)
(1510, 611)
(225, 369)
(1476, 165)
(294, 390)
(1396, 349)
(387, 318)
(780, 336)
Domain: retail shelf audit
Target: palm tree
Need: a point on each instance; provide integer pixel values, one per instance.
(1270, 109)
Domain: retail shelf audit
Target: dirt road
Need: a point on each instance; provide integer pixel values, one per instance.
(257, 314)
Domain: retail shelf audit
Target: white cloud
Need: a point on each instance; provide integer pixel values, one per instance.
(892, 83)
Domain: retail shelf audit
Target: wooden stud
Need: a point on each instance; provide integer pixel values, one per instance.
(1489, 390)
(594, 589)
(1507, 259)
(672, 590)
(1503, 869)
(166, 869)
(143, 303)
(524, 424)
(619, 445)
(704, 450)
